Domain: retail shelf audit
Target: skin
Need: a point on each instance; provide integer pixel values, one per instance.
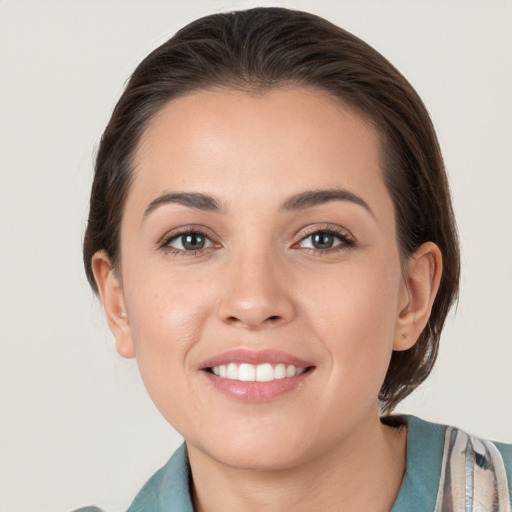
(261, 284)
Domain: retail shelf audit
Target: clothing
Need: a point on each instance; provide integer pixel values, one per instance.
(434, 482)
(447, 471)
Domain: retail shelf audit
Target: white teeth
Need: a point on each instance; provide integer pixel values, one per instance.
(247, 372)
(260, 373)
(264, 372)
(280, 371)
(232, 372)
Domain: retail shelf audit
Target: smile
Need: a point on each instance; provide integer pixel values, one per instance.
(255, 376)
(265, 372)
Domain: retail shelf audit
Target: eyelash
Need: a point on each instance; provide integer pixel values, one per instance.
(164, 244)
(346, 241)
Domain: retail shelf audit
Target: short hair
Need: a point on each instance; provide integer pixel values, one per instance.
(260, 49)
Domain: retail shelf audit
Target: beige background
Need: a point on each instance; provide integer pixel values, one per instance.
(76, 426)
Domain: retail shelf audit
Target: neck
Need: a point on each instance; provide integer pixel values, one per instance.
(362, 472)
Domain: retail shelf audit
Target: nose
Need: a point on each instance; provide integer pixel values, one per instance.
(256, 293)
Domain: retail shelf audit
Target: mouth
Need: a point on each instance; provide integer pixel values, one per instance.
(256, 376)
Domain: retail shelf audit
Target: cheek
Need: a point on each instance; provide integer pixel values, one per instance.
(167, 314)
(167, 317)
(354, 313)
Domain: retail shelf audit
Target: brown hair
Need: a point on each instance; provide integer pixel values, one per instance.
(263, 48)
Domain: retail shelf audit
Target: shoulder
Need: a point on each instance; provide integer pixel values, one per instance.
(168, 489)
(469, 468)
(480, 464)
(505, 451)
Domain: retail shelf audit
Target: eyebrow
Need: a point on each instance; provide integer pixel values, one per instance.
(195, 200)
(302, 201)
(312, 198)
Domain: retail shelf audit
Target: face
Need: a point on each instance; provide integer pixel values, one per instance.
(258, 242)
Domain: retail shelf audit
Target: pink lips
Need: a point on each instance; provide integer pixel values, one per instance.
(254, 392)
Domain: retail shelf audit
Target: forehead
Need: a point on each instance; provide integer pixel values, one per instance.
(266, 145)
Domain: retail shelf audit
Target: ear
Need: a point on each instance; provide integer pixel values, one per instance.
(111, 294)
(419, 291)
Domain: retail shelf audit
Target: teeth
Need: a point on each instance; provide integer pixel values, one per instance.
(247, 372)
(280, 371)
(232, 372)
(260, 373)
(264, 372)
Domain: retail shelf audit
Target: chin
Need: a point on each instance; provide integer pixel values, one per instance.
(257, 459)
(263, 450)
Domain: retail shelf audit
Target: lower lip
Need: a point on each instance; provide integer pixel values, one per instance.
(254, 392)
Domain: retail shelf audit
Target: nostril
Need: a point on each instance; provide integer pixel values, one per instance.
(271, 319)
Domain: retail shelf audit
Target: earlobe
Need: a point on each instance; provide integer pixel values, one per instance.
(111, 294)
(420, 288)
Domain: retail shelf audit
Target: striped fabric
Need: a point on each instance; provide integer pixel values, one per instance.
(473, 476)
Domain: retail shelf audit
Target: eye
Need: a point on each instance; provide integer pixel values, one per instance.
(190, 241)
(325, 240)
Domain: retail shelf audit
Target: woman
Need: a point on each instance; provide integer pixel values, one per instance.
(272, 237)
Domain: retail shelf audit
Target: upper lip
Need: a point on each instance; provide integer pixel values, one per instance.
(244, 355)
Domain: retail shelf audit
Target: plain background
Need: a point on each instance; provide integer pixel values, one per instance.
(76, 426)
